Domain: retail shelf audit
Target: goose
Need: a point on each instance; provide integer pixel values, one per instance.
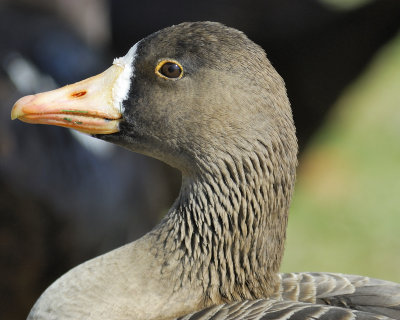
(205, 99)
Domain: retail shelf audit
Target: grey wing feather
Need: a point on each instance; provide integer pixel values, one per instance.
(280, 310)
(316, 296)
(347, 291)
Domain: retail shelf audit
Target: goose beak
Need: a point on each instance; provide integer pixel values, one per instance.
(88, 106)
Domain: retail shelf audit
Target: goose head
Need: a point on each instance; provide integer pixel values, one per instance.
(203, 98)
(184, 94)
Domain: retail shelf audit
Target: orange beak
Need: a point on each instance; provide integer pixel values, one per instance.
(88, 106)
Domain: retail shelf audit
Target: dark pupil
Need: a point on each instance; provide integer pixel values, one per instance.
(171, 70)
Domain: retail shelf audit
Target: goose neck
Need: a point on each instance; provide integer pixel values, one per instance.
(226, 231)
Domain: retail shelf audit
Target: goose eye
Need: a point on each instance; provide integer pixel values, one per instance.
(169, 70)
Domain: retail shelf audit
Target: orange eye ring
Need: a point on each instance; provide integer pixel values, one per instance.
(169, 69)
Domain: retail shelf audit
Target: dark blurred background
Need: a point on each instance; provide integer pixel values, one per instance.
(65, 198)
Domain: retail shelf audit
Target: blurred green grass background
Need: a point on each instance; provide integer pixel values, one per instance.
(345, 215)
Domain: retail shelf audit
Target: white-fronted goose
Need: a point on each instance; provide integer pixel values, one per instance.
(203, 98)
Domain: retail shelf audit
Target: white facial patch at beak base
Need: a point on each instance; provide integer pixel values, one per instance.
(120, 91)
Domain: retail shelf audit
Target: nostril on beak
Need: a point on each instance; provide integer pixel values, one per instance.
(78, 94)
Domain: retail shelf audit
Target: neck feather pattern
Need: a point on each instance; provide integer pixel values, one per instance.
(226, 230)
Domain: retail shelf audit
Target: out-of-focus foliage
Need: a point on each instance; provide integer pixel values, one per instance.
(345, 215)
